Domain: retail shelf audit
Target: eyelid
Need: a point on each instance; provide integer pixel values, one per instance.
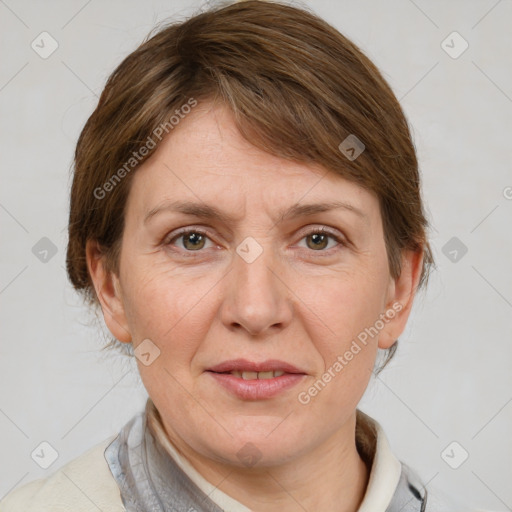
(183, 231)
(308, 230)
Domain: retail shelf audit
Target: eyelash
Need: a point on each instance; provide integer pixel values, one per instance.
(316, 231)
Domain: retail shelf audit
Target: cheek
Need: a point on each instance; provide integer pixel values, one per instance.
(344, 304)
(165, 304)
(344, 310)
(347, 354)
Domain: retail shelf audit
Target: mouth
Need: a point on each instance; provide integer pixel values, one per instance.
(248, 375)
(250, 370)
(249, 380)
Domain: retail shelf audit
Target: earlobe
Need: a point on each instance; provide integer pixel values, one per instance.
(401, 295)
(107, 288)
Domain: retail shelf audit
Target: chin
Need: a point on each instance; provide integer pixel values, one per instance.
(258, 446)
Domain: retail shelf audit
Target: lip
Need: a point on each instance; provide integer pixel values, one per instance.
(251, 366)
(255, 389)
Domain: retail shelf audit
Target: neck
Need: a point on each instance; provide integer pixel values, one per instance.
(332, 477)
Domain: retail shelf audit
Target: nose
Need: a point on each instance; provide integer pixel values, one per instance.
(257, 298)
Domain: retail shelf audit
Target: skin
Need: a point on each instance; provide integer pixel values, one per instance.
(202, 304)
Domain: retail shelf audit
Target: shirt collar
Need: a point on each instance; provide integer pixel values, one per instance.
(374, 447)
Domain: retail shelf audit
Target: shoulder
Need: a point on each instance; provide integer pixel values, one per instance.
(84, 484)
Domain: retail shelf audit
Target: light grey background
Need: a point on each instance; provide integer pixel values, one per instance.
(450, 380)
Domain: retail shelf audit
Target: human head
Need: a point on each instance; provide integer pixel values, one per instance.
(255, 59)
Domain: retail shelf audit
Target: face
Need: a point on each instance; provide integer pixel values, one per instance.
(234, 261)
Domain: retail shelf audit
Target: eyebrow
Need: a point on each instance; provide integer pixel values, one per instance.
(205, 211)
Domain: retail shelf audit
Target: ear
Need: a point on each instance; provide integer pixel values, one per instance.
(108, 291)
(401, 293)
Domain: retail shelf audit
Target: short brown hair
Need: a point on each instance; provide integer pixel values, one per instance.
(297, 88)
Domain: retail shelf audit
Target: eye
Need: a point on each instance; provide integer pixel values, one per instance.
(194, 240)
(191, 240)
(318, 240)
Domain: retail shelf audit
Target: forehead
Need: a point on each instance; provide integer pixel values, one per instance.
(205, 158)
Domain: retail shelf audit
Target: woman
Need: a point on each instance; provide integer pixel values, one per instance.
(246, 210)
